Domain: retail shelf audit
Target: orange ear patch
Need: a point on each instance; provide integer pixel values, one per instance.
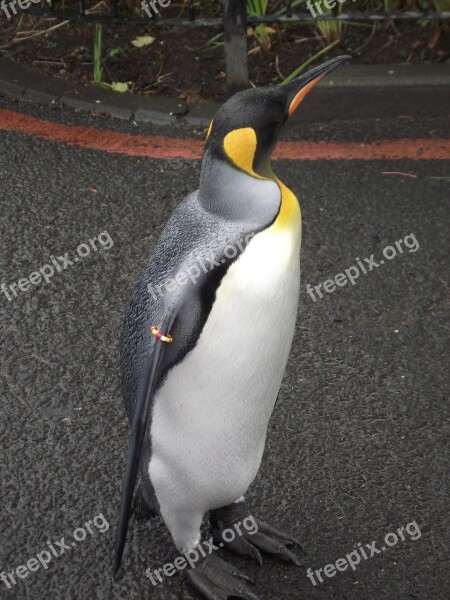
(301, 94)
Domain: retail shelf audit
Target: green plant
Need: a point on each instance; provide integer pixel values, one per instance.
(440, 5)
(331, 31)
(303, 66)
(258, 8)
(294, 4)
(116, 51)
(98, 69)
(214, 42)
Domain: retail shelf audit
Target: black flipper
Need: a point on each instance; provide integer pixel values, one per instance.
(138, 428)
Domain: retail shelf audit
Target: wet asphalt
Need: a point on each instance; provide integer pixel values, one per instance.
(357, 445)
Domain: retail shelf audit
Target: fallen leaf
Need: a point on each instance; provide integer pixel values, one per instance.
(190, 95)
(434, 40)
(119, 86)
(142, 40)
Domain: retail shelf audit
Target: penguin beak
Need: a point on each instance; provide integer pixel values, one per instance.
(300, 86)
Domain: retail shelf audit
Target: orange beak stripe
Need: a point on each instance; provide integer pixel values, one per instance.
(301, 94)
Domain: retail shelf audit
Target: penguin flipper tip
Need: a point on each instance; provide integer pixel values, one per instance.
(116, 567)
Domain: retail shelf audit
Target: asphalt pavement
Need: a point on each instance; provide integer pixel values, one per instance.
(357, 445)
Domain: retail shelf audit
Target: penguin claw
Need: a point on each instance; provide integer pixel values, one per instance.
(275, 547)
(266, 539)
(240, 545)
(215, 579)
(271, 531)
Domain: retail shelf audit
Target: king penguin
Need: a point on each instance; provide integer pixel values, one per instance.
(207, 336)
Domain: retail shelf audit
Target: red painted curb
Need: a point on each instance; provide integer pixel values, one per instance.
(426, 149)
(166, 147)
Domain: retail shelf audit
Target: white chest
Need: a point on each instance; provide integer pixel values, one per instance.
(210, 416)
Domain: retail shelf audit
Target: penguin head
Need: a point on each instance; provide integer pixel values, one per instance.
(245, 129)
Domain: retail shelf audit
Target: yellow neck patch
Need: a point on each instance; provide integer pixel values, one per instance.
(208, 133)
(240, 147)
(290, 212)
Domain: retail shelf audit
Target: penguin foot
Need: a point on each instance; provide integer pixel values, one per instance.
(215, 579)
(247, 541)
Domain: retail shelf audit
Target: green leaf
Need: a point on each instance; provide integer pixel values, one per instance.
(302, 67)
